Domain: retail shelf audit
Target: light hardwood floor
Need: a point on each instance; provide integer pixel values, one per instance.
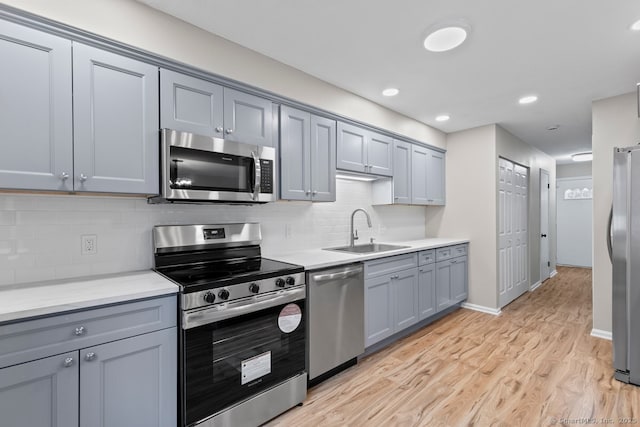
(535, 364)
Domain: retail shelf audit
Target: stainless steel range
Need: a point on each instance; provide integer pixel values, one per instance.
(243, 339)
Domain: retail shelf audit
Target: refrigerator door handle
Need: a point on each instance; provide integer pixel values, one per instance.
(609, 235)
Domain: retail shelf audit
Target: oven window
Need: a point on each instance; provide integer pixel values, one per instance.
(227, 362)
(192, 169)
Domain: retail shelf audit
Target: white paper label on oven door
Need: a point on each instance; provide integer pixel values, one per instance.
(256, 367)
(289, 318)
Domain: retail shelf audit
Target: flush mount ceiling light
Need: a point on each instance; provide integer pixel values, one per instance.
(391, 91)
(445, 38)
(635, 26)
(582, 157)
(528, 99)
(442, 118)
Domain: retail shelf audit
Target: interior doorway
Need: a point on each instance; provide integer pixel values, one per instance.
(545, 259)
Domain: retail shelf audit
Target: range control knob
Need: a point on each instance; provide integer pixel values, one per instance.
(254, 287)
(209, 297)
(280, 283)
(290, 281)
(223, 294)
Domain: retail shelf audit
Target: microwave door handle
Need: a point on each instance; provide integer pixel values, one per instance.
(257, 173)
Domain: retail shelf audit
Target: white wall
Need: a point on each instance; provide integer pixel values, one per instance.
(40, 235)
(138, 25)
(575, 228)
(615, 124)
(573, 170)
(471, 207)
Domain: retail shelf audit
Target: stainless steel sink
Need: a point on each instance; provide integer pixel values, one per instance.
(367, 248)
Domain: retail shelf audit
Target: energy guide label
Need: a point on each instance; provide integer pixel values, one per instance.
(289, 318)
(256, 367)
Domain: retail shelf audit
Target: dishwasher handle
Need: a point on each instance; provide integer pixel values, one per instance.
(339, 275)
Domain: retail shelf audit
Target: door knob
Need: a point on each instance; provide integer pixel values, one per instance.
(68, 362)
(83, 177)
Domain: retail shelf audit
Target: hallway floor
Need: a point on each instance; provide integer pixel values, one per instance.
(535, 364)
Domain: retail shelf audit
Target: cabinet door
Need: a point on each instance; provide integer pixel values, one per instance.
(419, 163)
(459, 279)
(406, 299)
(351, 148)
(130, 382)
(35, 110)
(190, 104)
(247, 118)
(443, 285)
(323, 159)
(402, 172)
(115, 111)
(379, 317)
(435, 178)
(295, 156)
(42, 393)
(427, 290)
(380, 154)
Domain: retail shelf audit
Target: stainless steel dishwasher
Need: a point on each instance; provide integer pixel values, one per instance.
(336, 319)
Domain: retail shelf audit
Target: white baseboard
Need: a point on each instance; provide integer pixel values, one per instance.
(535, 286)
(599, 333)
(553, 273)
(481, 308)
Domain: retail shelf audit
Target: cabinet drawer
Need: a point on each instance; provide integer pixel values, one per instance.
(388, 265)
(34, 339)
(445, 253)
(459, 250)
(427, 257)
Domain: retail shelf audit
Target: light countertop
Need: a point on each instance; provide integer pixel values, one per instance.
(313, 259)
(19, 302)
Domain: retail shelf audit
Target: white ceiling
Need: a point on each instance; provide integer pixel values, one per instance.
(567, 52)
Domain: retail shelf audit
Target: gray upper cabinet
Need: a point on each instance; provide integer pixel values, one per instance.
(35, 110)
(247, 118)
(108, 396)
(42, 393)
(402, 166)
(435, 178)
(361, 150)
(307, 152)
(190, 104)
(115, 110)
(419, 171)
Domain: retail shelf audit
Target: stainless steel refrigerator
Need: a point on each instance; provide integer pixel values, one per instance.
(624, 249)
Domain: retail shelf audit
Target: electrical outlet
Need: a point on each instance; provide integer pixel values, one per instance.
(89, 244)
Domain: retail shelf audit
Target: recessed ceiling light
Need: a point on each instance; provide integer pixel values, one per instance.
(636, 25)
(582, 157)
(391, 91)
(442, 118)
(528, 99)
(444, 39)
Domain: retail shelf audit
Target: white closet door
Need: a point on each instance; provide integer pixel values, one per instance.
(513, 257)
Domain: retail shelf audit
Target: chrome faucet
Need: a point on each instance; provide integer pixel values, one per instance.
(353, 236)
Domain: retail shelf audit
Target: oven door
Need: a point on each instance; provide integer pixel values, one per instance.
(201, 168)
(237, 350)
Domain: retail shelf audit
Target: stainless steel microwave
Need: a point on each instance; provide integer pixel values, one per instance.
(197, 168)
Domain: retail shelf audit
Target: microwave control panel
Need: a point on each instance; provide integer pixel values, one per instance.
(266, 177)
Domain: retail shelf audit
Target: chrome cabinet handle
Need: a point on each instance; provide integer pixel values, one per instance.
(395, 276)
(64, 176)
(314, 192)
(219, 129)
(453, 261)
(610, 235)
(83, 177)
(68, 362)
(307, 192)
(80, 330)
(396, 198)
(90, 356)
(228, 131)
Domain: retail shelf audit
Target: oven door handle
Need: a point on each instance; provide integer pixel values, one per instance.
(208, 315)
(257, 175)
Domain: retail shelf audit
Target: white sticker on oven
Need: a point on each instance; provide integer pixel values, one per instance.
(289, 318)
(256, 367)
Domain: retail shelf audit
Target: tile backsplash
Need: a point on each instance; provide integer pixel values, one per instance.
(40, 235)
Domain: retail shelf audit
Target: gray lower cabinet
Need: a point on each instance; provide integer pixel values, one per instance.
(307, 154)
(199, 106)
(115, 111)
(459, 279)
(406, 298)
(378, 309)
(113, 366)
(427, 290)
(365, 151)
(35, 110)
(451, 276)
